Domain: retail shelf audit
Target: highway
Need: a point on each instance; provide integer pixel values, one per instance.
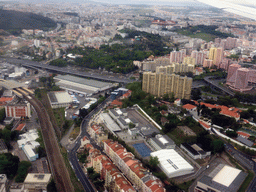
(213, 83)
(72, 153)
(40, 65)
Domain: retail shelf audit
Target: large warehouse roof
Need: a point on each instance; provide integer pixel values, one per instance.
(172, 163)
(226, 175)
(83, 81)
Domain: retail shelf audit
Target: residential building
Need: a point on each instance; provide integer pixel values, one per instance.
(97, 133)
(189, 61)
(208, 63)
(216, 54)
(224, 110)
(159, 84)
(222, 178)
(18, 110)
(241, 79)
(199, 57)
(131, 167)
(177, 56)
(37, 181)
(176, 68)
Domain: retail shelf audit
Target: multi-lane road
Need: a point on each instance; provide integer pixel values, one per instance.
(65, 70)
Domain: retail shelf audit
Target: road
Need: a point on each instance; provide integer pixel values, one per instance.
(72, 152)
(215, 84)
(40, 65)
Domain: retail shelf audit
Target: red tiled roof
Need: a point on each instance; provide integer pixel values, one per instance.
(116, 102)
(243, 134)
(205, 125)
(188, 106)
(20, 127)
(5, 99)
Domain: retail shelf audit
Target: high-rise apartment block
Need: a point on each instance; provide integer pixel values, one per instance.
(199, 57)
(151, 65)
(216, 54)
(175, 68)
(189, 61)
(228, 43)
(177, 56)
(208, 63)
(241, 79)
(159, 84)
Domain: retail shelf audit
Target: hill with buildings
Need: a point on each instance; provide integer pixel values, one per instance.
(14, 21)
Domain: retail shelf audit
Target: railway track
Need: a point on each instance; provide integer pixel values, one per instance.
(56, 161)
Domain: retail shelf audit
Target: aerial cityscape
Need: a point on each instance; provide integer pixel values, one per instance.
(125, 96)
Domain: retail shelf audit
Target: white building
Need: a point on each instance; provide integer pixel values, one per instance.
(28, 144)
(171, 163)
(59, 99)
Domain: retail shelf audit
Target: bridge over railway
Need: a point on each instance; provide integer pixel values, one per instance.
(57, 165)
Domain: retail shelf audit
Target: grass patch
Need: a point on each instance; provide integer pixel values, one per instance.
(246, 182)
(59, 115)
(77, 185)
(75, 133)
(204, 36)
(179, 137)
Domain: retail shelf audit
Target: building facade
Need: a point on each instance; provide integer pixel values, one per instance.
(18, 110)
(159, 84)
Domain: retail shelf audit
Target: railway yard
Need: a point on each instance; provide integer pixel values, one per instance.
(55, 159)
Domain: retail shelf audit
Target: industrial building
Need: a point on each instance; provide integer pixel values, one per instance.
(159, 84)
(59, 99)
(161, 142)
(171, 163)
(109, 123)
(81, 85)
(222, 178)
(195, 151)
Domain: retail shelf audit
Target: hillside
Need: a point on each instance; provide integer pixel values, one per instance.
(14, 21)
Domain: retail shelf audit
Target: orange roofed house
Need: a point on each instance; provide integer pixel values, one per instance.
(114, 179)
(224, 110)
(132, 168)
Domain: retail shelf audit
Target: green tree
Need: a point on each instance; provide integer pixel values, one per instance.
(153, 162)
(22, 171)
(218, 146)
(9, 164)
(51, 187)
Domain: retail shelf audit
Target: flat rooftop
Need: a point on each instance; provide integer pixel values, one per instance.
(83, 81)
(59, 97)
(38, 178)
(10, 84)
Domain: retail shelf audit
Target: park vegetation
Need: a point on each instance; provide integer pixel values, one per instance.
(207, 33)
(118, 58)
